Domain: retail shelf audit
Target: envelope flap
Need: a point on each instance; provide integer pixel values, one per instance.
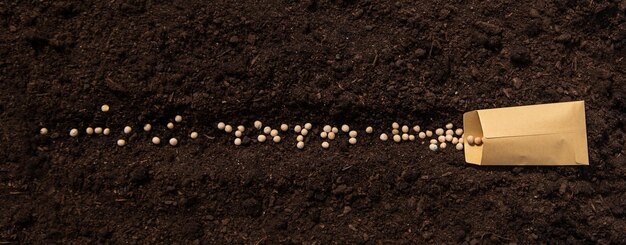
(531, 120)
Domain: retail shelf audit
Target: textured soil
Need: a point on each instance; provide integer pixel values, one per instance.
(356, 62)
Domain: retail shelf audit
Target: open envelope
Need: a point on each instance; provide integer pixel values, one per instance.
(548, 134)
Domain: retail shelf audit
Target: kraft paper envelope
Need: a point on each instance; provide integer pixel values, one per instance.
(548, 134)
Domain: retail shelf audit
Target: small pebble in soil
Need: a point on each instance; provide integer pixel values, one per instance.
(121, 142)
(478, 141)
(43, 131)
(449, 138)
(335, 130)
(299, 138)
(274, 133)
(300, 145)
(353, 134)
(297, 129)
(156, 140)
(261, 138)
(89, 130)
(284, 127)
(459, 131)
(193, 135)
(443, 145)
(405, 137)
(97, 130)
(369, 130)
(325, 145)
(345, 128)
(276, 139)
(352, 141)
(241, 128)
(422, 135)
(327, 128)
(459, 146)
(227, 128)
(237, 141)
(258, 124)
(433, 147)
(304, 131)
(308, 126)
(384, 137)
(173, 141)
(416, 128)
(397, 138)
(106, 131)
(395, 125)
(238, 134)
(429, 133)
(267, 130)
(104, 108)
(74, 132)
(441, 138)
(470, 139)
(221, 126)
(324, 134)
(178, 118)
(331, 136)
(439, 131)
(128, 129)
(449, 126)
(405, 129)
(449, 132)
(170, 125)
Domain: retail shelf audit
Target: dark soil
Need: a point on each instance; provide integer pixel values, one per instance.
(357, 62)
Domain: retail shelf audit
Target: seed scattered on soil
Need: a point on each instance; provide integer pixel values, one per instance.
(416, 128)
(459, 131)
(297, 129)
(327, 128)
(300, 138)
(433, 141)
(345, 128)
(156, 140)
(335, 130)
(106, 131)
(325, 145)
(193, 135)
(173, 141)
(261, 138)
(178, 118)
(443, 145)
(352, 141)
(308, 126)
(89, 130)
(170, 125)
(429, 133)
(449, 126)
(395, 131)
(284, 127)
(121, 142)
(353, 134)
(369, 130)
(43, 131)
(449, 132)
(395, 125)
(258, 124)
(221, 126)
(227, 128)
(331, 136)
(300, 145)
(276, 139)
(304, 132)
(128, 130)
(405, 137)
(238, 134)
(74, 132)
(397, 138)
(412, 137)
(449, 138)
(324, 134)
(384, 137)
(104, 108)
(422, 135)
(441, 138)
(97, 130)
(433, 147)
(459, 146)
(455, 140)
(237, 141)
(241, 128)
(405, 129)
(274, 133)
(439, 131)
(267, 130)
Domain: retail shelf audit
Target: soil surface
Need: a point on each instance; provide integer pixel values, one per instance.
(356, 62)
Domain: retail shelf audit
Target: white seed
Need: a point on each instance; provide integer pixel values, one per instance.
(128, 129)
(405, 137)
(449, 132)
(258, 124)
(335, 130)
(284, 127)
(193, 135)
(461, 140)
(405, 129)
(395, 131)
(395, 125)
(300, 138)
(441, 138)
(422, 135)
(147, 127)
(449, 126)
(121, 142)
(237, 141)
(156, 140)
(221, 126)
(331, 136)
(324, 134)
(173, 141)
(449, 138)
(369, 130)
(43, 131)
(227, 128)
(459, 146)
(412, 137)
(241, 128)
(237, 134)
(104, 108)
(74, 132)
(297, 129)
(470, 139)
(416, 128)
(459, 131)
(439, 131)
(429, 133)
(261, 138)
(89, 130)
(308, 126)
(443, 145)
(276, 139)
(274, 133)
(345, 128)
(478, 141)
(178, 118)
(170, 125)
(397, 138)
(432, 147)
(327, 128)
(106, 131)
(304, 132)
(325, 145)
(455, 140)
(267, 130)
(433, 141)
(352, 141)
(384, 137)
(97, 130)
(353, 134)
(300, 145)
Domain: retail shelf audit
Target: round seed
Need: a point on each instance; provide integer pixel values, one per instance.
(459, 131)
(441, 138)
(429, 133)
(274, 133)
(300, 138)
(461, 140)
(106, 131)
(439, 131)
(300, 145)
(412, 137)
(267, 130)
(397, 138)
(237, 141)
(443, 145)
(128, 129)
(416, 128)
(433, 141)
(297, 129)
(449, 138)
(193, 135)
(470, 139)
(308, 126)
(156, 140)
(331, 136)
(121, 142)
(324, 135)
(352, 141)
(104, 108)
(227, 128)
(455, 140)
(478, 141)
(405, 129)
(449, 126)
(353, 134)
(422, 135)
(178, 118)
(459, 146)
(237, 134)
(173, 141)
(369, 130)
(405, 137)
(258, 124)
(432, 147)
(43, 131)
(170, 125)
(261, 138)
(384, 137)
(221, 126)
(284, 127)
(74, 132)
(276, 139)
(335, 130)
(89, 130)
(395, 131)
(449, 132)
(304, 132)
(97, 130)
(327, 128)
(395, 125)
(241, 128)
(345, 128)
(325, 145)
